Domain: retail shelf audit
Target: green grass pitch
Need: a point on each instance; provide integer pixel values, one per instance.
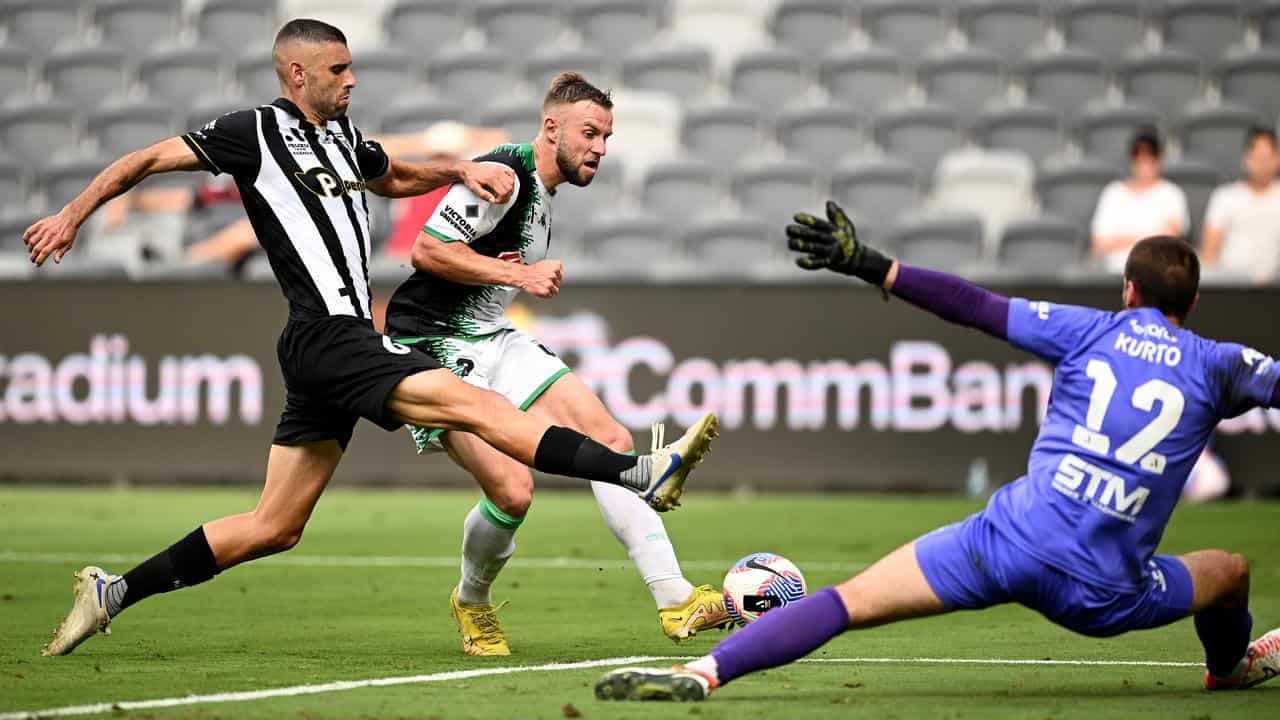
(326, 612)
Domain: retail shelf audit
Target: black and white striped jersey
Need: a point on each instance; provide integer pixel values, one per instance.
(303, 187)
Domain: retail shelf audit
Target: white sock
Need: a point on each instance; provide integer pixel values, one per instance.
(638, 527)
(707, 665)
(486, 547)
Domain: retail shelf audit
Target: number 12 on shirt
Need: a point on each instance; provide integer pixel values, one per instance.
(1137, 449)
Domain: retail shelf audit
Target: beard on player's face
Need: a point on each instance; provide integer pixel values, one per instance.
(571, 169)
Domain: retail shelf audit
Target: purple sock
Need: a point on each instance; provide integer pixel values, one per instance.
(781, 636)
(1224, 633)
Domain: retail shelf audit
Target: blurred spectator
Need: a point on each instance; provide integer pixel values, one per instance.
(1242, 222)
(1140, 206)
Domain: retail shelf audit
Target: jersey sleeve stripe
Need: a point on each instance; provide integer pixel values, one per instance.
(439, 235)
(201, 154)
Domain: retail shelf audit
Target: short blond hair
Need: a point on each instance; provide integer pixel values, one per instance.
(568, 88)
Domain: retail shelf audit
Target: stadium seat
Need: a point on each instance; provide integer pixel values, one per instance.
(360, 22)
(1041, 246)
(1033, 130)
(13, 223)
(1071, 190)
(909, 27)
(540, 68)
(769, 79)
(726, 27)
(520, 118)
(234, 26)
(15, 265)
(1204, 28)
(870, 78)
(919, 135)
(62, 180)
(425, 27)
(965, 80)
(684, 72)
(121, 129)
(1216, 135)
(1106, 131)
(948, 242)
(209, 109)
(677, 191)
(1198, 180)
(180, 75)
(256, 73)
(383, 73)
(995, 185)
(1110, 29)
(735, 246)
(1250, 80)
(1267, 15)
(82, 266)
(646, 128)
(414, 114)
(775, 190)
(1009, 28)
(136, 26)
(810, 25)
(86, 76)
(517, 27)
(575, 207)
(876, 189)
(617, 26)
(40, 26)
(1067, 81)
(473, 77)
(15, 71)
(34, 132)
(820, 134)
(630, 245)
(722, 133)
(13, 185)
(1165, 81)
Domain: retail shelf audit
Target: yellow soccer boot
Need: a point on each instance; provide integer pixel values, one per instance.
(704, 610)
(478, 625)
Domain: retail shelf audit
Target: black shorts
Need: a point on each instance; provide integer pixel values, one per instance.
(336, 370)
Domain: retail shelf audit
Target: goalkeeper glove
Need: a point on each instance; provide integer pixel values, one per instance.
(833, 244)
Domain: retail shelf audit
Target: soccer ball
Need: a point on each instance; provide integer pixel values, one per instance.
(760, 582)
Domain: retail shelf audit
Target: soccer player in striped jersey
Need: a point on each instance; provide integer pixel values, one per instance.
(303, 168)
(1135, 397)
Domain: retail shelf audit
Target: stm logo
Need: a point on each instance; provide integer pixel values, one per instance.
(325, 184)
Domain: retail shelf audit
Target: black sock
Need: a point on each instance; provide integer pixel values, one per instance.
(567, 452)
(185, 563)
(1224, 633)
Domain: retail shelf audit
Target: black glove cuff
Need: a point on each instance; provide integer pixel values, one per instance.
(873, 266)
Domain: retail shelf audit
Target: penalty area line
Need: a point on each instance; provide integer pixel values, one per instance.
(339, 686)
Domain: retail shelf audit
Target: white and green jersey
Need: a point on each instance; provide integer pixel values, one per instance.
(517, 231)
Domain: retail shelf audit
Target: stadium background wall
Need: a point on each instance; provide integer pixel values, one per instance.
(821, 387)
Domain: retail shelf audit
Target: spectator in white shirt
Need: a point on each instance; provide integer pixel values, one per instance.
(1242, 223)
(1140, 206)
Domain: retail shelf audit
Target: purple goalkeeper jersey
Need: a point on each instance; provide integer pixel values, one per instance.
(1133, 403)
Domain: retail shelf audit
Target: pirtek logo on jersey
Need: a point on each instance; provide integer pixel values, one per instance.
(323, 183)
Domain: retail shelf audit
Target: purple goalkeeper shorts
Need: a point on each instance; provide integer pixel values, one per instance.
(971, 566)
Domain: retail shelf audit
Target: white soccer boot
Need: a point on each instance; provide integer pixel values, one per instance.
(1260, 663)
(88, 613)
(672, 463)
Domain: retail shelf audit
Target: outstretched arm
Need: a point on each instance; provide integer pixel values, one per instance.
(491, 181)
(54, 235)
(834, 244)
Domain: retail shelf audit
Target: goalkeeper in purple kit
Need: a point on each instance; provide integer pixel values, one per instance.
(1135, 398)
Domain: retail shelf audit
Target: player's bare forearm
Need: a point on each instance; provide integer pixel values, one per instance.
(128, 171)
(456, 262)
(489, 181)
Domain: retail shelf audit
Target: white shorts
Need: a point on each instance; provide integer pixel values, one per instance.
(511, 363)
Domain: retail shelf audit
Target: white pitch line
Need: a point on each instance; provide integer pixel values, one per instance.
(315, 689)
(443, 561)
(343, 685)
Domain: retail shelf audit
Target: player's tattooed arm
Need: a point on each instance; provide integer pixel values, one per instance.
(491, 182)
(56, 234)
(457, 262)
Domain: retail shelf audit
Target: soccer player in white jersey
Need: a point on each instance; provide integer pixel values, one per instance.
(471, 260)
(303, 169)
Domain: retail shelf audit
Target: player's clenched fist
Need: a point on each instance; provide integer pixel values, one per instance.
(542, 279)
(491, 182)
(833, 244)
